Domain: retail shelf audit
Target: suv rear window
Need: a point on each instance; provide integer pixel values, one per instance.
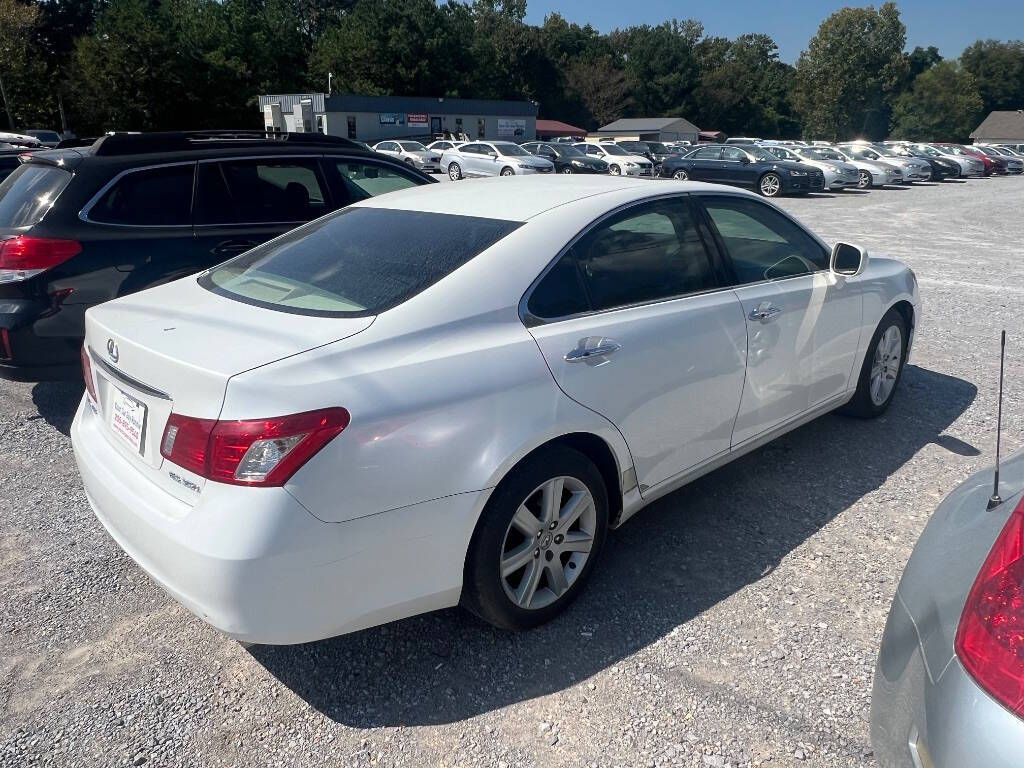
(28, 193)
(356, 262)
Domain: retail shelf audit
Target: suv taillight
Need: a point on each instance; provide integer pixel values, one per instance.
(258, 452)
(990, 638)
(25, 256)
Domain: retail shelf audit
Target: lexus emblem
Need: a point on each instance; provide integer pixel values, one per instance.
(112, 350)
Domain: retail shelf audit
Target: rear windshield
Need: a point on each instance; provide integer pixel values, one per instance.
(356, 262)
(28, 193)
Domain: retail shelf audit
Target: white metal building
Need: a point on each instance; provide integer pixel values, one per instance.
(374, 118)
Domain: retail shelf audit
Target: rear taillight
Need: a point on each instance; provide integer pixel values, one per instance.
(990, 639)
(90, 383)
(259, 452)
(24, 256)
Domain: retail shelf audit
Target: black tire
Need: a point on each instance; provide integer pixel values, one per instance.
(865, 180)
(483, 592)
(506, 171)
(681, 175)
(454, 171)
(614, 170)
(567, 170)
(862, 405)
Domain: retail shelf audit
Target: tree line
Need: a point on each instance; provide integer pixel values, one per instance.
(170, 64)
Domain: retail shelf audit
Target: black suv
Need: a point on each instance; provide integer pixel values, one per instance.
(81, 226)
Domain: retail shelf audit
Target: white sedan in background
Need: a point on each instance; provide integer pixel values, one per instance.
(354, 422)
(411, 152)
(441, 145)
(492, 158)
(620, 161)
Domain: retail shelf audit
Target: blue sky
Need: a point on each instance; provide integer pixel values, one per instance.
(949, 24)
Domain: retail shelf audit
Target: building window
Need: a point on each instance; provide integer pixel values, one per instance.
(352, 126)
(321, 124)
(479, 127)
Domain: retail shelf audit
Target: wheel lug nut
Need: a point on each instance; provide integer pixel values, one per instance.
(553, 525)
(536, 553)
(559, 538)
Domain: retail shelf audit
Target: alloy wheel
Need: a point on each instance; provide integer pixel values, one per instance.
(567, 170)
(548, 543)
(681, 175)
(863, 180)
(454, 172)
(770, 185)
(507, 172)
(885, 365)
(615, 170)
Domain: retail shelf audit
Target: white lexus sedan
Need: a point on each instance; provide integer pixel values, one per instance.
(398, 408)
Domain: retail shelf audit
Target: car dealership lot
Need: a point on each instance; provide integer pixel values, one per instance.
(735, 622)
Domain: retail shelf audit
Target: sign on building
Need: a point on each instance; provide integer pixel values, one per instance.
(511, 129)
(391, 118)
(418, 119)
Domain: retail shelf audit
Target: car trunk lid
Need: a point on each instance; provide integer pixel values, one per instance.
(174, 348)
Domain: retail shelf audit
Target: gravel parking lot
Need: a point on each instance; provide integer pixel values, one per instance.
(733, 623)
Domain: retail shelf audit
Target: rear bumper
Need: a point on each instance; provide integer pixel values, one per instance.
(44, 341)
(935, 718)
(255, 564)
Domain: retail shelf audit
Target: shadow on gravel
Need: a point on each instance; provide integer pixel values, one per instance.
(57, 402)
(674, 560)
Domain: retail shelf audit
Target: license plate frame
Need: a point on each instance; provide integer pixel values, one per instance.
(128, 419)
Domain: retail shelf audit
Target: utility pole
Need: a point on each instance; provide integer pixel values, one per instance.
(63, 120)
(7, 107)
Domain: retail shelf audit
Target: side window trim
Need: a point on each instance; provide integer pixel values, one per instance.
(726, 259)
(531, 321)
(95, 199)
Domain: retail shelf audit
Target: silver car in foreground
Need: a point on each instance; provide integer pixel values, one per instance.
(949, 684)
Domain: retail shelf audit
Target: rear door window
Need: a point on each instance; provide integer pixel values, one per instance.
(29, 192)
(151, 197)
(356, 262)
(260, 191)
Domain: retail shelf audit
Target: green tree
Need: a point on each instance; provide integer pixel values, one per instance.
(998, 69)
(744, 88)
(849, 75)
(661, 66)
(921, 59)
(21, 72)
(601, 88)
(942, 105)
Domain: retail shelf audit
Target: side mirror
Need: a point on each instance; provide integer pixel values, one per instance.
(848, 260)
(745, 160)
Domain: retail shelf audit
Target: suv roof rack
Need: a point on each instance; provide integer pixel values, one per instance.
(176, 141)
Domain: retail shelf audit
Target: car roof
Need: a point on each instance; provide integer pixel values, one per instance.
(519, 198)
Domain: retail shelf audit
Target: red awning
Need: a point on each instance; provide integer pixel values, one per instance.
(558, 128)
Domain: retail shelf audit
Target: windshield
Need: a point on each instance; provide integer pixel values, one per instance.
(355, 262)
(884, 151)
(954, 150)
(412, 146)
(510, 150)
(657, 146)
(614, 149)
(44, 135)
(816, 153)
(566, 150)
(986, 150)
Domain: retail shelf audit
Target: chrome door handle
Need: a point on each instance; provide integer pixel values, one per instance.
(764, 313)
(592, 350)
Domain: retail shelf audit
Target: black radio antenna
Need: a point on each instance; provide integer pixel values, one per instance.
(995, 500)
